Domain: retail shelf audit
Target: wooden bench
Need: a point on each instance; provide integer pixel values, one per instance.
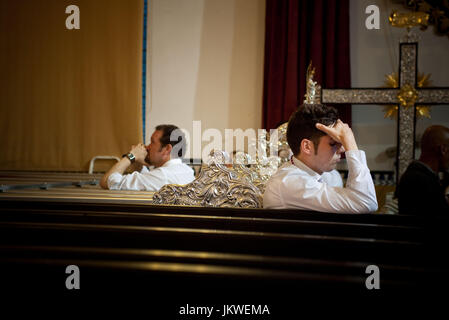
(139, 245)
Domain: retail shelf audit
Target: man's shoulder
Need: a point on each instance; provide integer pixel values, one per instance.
(286, 174)
(418, 171)
(285, 170)
(333, 173)
(175, 166)
(172, 163)
(417, 179)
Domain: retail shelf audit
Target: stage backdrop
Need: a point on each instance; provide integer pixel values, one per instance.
(69, 95)
(297, 32)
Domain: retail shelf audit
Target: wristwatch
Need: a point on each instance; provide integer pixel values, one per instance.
(130, 156)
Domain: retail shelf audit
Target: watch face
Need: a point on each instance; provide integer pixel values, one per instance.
(131, 157)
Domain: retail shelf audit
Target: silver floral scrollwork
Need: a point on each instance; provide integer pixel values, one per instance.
(216, 186)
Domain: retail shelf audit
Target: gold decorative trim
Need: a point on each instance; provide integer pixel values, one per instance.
(392, 81)
(438, 12)
(407, 96)
(409, 19)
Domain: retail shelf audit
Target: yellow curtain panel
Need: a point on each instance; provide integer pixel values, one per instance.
(67, 95)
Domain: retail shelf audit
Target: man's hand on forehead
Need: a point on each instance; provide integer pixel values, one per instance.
(340, 132)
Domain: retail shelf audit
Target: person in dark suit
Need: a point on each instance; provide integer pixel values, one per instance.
(420, 190)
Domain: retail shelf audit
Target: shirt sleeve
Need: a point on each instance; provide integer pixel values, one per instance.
(359, 196)
(333, 178)
(140, 181)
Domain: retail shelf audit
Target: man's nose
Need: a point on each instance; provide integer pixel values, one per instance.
(341, 149)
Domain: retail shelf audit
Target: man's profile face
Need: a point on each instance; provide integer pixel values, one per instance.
(327, 155)
(154, 149)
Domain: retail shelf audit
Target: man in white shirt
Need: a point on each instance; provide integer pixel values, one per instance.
(308, 181)
(167, 144)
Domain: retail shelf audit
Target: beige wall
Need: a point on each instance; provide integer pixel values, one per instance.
(205, 63)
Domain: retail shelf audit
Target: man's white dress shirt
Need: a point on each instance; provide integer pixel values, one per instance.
(295, 185)
(172, 172)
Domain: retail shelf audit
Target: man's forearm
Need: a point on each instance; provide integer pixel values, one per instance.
(119, 167)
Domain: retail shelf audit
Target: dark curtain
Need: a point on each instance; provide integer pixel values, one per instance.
(297, 32)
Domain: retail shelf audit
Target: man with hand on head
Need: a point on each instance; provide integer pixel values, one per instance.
(309, 180)
(164, 152)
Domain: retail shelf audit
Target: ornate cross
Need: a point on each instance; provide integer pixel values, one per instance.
(407, 96)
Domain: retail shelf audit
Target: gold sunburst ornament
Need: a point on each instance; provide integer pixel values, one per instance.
(407, 95)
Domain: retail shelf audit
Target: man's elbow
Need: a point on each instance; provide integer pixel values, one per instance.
(367, 206)
(104, 183)
(370, 206)
(374, 206)
(372, 203)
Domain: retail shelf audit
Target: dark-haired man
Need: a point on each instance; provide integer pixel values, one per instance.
(166, 148)
(309, 181)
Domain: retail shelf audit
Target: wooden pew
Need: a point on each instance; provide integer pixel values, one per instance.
(176, 268)
(214, 219)
(287, 246)
(334, 245)
(289, 214)
(203, 218)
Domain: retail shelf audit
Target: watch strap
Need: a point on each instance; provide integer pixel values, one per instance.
(130, 156)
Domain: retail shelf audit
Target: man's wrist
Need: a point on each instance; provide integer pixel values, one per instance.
(350, 145)
(130, 157)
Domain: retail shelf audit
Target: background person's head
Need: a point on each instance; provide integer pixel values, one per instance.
(167, 142)
(435, 147)
(312, 146)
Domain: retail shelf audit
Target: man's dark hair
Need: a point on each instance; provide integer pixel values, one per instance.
(173, 135)
(302, 124)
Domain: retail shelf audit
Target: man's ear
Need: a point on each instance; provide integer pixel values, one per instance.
(443, 149)
(307, 147)
(167, 149)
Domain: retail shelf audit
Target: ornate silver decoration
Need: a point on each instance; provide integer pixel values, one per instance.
(407, 78)
(360, 96)
(440, 95)
(259, 172)
(410, 37)
(284, 150)
(272, 151)
(216, 186)
(313, 90)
